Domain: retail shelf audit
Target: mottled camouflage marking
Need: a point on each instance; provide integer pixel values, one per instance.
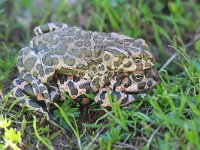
(68, 59)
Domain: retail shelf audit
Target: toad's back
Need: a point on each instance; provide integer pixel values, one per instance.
(74, 48)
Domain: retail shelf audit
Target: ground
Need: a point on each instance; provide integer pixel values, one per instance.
(168, 118)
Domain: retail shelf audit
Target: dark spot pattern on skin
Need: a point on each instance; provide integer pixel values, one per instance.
(54, 61)
(61, 50)
(29, 63)
(125, 100)
(42, 88)
(120, 76)
(87, 53)
(75, 52)
(28, 90)
(103, 95)
(49, 70)
(72, 88)
(35, 74)
(62, 78)
(97, 53)
(20, 62)
(68, 61)
(106, 80)
(81, 66)
(20, 80)
(84, 85)
(118, 83)
(155, 78)
(39, 68)
(28, 78)
(40, 47)
(33, 104)
(19, 93)
(99, 102)
(101, 67)
(148, 74)
(76, 78)
(127, 84)
(141, 86)
(107, 57)
(149, 83)
(55, 97)
(87, 87)
(42, 73)
(47, 59)
(115, 94)
(95, 82)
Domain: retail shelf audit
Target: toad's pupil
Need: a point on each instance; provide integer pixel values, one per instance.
(138, 76)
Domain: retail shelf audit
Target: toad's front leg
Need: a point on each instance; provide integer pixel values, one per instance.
(104, 99)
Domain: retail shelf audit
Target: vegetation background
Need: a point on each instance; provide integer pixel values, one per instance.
(167, 119)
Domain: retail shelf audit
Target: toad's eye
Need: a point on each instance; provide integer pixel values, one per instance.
(137, 77)
(137, 59)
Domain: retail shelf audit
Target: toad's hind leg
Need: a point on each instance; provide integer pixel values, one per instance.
(34, 72)
(23, 91)
(123, 99)
(49, 27)
(40, 90)
(21, 87)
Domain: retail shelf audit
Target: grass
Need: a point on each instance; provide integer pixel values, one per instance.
(169, 118)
